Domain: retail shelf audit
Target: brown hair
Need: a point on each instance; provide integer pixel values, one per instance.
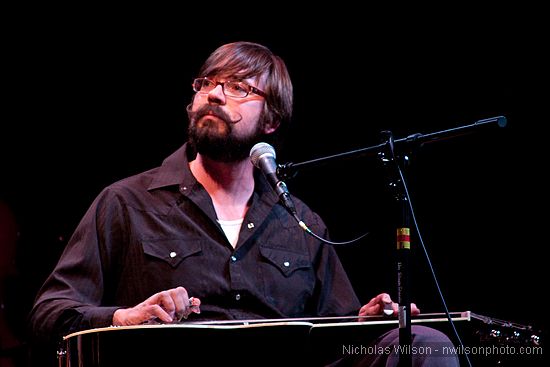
(249, 60)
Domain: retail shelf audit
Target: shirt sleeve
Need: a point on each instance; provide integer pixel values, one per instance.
(71, 296)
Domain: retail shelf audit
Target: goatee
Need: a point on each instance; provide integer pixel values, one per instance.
(214, 137)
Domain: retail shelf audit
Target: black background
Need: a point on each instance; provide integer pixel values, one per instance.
(94, 98)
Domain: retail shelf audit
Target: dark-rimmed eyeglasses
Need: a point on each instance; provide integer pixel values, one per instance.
(231, 88)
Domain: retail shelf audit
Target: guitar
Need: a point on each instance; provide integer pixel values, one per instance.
(260, 342)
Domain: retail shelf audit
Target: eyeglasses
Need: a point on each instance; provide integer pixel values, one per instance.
(230, 88)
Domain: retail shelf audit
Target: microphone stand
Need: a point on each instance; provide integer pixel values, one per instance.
(403, 233)
(386, 152)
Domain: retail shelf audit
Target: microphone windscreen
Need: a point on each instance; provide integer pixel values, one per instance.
(258, 150)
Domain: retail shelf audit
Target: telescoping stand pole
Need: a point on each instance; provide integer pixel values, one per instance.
(403, 242)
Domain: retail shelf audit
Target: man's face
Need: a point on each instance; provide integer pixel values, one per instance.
(224, 128)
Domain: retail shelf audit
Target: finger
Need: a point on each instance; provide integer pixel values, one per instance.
(180, 301)
(414, 309)
(167, 302)
(164, 301)
(376, 301)
(387, 306)
(195, 304)
(395, 307)
(380, 304)
(385, 298)
(370, 309)
(181, 292)
(365, 309)
(157, 312)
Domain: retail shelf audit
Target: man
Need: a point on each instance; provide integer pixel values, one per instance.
(203, 236)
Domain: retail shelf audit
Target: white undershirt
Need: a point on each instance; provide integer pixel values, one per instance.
(231, 229)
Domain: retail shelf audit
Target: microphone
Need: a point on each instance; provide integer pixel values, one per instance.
(263, 157)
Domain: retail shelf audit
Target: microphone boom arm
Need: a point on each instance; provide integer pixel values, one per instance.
(289, 170)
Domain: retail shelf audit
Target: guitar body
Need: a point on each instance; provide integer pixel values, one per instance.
(277, 342)
(189, 345)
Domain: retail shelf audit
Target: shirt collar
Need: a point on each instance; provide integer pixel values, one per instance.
(175, 171)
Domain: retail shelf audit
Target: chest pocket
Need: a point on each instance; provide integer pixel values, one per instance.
(172, 250)
(287, 262)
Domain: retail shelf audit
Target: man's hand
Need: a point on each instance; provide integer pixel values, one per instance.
(382, 304)
(165, 307)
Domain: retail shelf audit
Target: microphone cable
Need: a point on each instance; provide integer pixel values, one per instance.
(309, 231)
(262, 155)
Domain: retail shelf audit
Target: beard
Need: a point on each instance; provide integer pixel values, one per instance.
(214, 136)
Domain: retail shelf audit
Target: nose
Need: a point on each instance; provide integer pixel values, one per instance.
(217, 95)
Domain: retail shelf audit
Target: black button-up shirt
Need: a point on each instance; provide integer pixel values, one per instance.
(157, 230)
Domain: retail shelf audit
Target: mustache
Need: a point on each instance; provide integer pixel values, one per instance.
(212, 110)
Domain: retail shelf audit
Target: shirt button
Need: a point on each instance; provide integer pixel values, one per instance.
(183, 188)
(233, 258)
(250, 225)
(173, 254)
(286, 263)
(237, 297)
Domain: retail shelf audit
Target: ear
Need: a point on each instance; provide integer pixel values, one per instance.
(270, 127)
